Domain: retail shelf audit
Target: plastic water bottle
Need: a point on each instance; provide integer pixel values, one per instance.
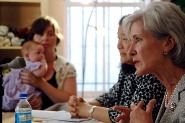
(23, 110)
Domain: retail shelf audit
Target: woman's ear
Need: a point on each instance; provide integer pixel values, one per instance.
(169, 43)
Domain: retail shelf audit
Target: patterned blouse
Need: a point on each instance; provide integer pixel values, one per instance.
(64, 69)
(131, 88)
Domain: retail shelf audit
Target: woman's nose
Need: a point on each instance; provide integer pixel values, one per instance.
(119, 45)
(131, 50)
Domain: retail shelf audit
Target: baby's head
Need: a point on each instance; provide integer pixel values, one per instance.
(33, 51)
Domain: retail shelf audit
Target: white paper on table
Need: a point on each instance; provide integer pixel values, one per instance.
(54, 115)
(74, 120)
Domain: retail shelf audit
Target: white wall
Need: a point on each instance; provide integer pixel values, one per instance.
(57, 10)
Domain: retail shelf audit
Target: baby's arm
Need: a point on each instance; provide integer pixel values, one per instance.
(41, 71)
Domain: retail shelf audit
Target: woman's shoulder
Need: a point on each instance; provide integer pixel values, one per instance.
(147, 77)
(61, 59)
(131, 76)
(150, 80)
(62, 62)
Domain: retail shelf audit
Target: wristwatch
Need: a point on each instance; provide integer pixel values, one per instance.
(91, 111)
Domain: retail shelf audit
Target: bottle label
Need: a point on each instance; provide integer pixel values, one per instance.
(23, 117)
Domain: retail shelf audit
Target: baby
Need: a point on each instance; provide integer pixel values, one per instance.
(33, 54)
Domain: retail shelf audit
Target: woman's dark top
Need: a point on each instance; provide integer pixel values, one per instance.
(131, 88)
(46, 101)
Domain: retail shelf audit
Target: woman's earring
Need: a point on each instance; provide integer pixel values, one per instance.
(165, 53)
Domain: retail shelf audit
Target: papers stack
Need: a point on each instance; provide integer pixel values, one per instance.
(52, 115)
(57, 117)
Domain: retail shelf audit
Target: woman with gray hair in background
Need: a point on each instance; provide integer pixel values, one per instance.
(157, 34)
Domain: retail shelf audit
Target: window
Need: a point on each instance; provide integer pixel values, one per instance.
(92, 42)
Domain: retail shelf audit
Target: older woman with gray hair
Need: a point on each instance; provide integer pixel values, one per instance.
(157, 34)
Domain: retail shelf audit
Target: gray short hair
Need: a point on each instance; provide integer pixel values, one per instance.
(162, 19)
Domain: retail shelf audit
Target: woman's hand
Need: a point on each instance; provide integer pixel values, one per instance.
(83, 108)
(76, 107)
(124, 117)
(35, 102)
(29, 78)
(72, 106)
(138, 115)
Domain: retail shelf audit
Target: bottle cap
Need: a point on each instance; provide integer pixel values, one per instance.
(23, 95)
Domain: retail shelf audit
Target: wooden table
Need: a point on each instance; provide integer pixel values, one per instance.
(9, 117)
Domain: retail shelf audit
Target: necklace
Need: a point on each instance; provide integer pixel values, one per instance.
(173, 105)
(166, 100)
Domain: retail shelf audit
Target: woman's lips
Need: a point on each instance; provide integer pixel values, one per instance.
(122, 54)
(135, 63)
(46, 45)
